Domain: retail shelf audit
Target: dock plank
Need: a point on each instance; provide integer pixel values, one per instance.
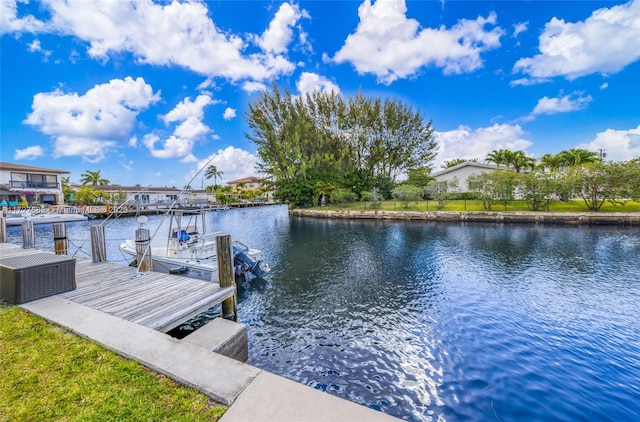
(155, 300)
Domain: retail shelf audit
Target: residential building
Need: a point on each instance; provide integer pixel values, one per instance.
(145, 195)
(250, 183)
(33, 185)
(461, 172)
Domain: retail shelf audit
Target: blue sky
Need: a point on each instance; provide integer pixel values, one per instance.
(149, 92)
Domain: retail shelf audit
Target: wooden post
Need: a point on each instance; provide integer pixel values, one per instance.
(60, 241)
(28, 235)
(143, 250)
(98, 244)
(3, 229)
(226, 274)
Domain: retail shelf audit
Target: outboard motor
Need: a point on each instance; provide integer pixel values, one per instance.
(244, 262)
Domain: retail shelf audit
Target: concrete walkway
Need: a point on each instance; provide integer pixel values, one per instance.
(251, 393)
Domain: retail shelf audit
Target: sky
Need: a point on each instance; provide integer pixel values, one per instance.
(151, 92)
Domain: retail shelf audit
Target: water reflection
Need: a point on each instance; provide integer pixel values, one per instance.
(430, 321)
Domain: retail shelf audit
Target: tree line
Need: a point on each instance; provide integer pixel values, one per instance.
(320, 142)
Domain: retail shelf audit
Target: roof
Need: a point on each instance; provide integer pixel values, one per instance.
(141, 189)
(22, 167)
(465, 164)
(250, 179)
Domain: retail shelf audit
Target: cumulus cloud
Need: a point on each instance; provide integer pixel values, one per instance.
(89, 125)
(229, 113)
(477, 143)
(389, 45)
(605, 42)
(36, 47)
(234, 163)
(189, 115)
(310, 82)
(276, 38)
(619, 145)
(28, 153)
(253, 86)
(564, 104)
(163, 34)
(519, 28)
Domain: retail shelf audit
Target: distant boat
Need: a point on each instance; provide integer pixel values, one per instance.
(15, 219)
(187, 249)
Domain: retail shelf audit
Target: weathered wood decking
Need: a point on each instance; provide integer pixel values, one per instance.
(155, 300)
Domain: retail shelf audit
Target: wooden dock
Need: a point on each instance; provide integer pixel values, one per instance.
(155, 300)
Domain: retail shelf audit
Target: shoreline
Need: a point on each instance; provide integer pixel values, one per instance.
(565, 218)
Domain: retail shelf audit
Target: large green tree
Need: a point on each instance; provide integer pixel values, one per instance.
(213, 172)
(357, 143)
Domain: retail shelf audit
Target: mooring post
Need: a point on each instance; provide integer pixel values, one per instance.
(143, 251)
(3, 229)
(226, 274)
(98, 244)
(60, 241)
(28, 235)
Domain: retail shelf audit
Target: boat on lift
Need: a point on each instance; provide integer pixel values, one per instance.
(187, 249)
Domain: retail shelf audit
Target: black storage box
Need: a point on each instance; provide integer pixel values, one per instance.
(29, 277)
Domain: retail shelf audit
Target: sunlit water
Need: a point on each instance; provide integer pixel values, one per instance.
(439, 321)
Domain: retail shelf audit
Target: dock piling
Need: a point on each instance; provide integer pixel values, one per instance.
(143, 250)
(226, 274)
(28, 235)
(3, 229)
(60, 241)
(98, 244)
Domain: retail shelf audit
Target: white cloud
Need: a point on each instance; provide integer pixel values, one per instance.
(28, 153)
(10, 22)
(477, 143)
(619, 145)
(163, 34)
(310, 82)
(605, 42)
(528, 81)
(276, 38)
(190, 129)
(89, 125)
(519, 28)
(390, 46)
(234, 163)
(564, 104)
(604, 86)
(229, 113)
(254, 87)
(36, 47)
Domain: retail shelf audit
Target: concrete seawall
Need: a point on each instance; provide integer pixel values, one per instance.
(595, 218)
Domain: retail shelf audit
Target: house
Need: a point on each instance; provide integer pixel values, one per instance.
(34, 185)
(144, 195)
(250, 183)
(461, 172)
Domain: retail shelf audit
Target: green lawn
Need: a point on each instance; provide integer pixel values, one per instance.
(475, 205)
(50, 374)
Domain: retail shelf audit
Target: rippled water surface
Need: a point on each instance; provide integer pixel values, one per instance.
(441, 321)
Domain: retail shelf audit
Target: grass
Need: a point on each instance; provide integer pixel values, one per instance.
(475, 205)
(51, 374)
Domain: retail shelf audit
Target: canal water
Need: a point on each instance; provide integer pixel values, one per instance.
(438, 321)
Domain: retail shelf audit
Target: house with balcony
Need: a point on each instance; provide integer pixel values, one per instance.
(33, 185)
(250, 183)
(144, 195)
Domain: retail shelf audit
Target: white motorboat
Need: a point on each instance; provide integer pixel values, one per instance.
(187, 249)
(15, 219)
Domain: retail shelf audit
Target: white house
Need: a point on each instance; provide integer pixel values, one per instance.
(35, 185)
(144, 195)
(461, 172)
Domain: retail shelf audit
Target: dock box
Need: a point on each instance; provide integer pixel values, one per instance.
(29, 277)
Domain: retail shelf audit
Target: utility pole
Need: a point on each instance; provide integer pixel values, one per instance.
(603, 154)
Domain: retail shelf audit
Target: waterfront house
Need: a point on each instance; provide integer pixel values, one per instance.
(250, 183)
(29, 185)
(461, 172)
(144, 195)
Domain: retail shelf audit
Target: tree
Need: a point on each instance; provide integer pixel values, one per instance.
(93, 178)
(342, 196)
(550, 162)
(537, 189)
(599, 182)
(577, 156)
(455, 161)
(497, 156)
(407, 194)
(442, 192)
(213, 172)
(494, 186)
(520, 161)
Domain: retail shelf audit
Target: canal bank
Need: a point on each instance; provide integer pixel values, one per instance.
(595, 218)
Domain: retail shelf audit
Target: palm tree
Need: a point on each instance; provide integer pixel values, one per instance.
(456, 161)
(93, 178)
(497, 156)
(212, 171)
(578, 156)
(520, 161)
(551, 162)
